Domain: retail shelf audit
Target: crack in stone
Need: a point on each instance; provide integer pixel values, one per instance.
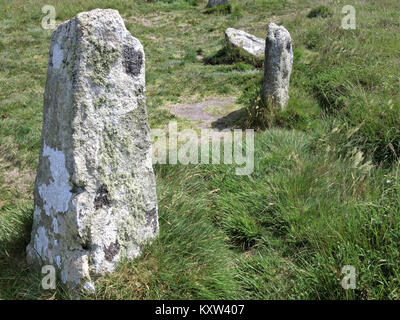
(101, 198)
(112, 250)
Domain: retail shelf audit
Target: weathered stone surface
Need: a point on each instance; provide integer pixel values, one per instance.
(277, 66)
(246, 45)
(95, 197)
(213, 3)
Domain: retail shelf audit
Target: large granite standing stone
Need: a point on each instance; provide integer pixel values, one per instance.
(247, 46)
(213, 3)
(95, 196)
(277, 66)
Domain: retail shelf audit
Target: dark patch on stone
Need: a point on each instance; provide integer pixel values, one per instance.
(288, 46)
(112, 250)
(101, 198)
(151, 218)
(76, 189)
(74, 78)
(132, 60)
(85, 245)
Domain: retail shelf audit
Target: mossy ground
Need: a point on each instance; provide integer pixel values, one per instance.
(325, 190)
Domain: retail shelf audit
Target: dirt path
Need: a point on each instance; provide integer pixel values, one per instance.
(211, 113)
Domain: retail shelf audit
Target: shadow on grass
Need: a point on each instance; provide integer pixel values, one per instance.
(235, 119)
(227, 55)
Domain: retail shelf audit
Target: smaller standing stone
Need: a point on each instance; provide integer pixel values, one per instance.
(213, 3)
(278, 66)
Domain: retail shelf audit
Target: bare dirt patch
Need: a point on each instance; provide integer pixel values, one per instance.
(204, 114)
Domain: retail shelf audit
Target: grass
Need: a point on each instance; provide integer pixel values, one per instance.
(325, 188)
(221, 9)
(321, 11)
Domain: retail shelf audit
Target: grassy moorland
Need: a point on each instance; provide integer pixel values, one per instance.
(325, 190)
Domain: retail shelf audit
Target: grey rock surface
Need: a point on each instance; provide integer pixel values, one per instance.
(277, 66)
(248, 46)
(95, 196)
(213, 3)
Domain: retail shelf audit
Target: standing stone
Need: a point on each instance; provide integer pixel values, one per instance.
(95, 196)
(213, 3)
(245, 45)
(277, 66)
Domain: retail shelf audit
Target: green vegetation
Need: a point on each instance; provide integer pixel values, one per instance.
(224, 9)
(320, 11)
(325, 190)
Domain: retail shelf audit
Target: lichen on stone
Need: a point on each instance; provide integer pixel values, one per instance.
(101, 59)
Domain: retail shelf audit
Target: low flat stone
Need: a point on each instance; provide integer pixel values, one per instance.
(246, 45)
